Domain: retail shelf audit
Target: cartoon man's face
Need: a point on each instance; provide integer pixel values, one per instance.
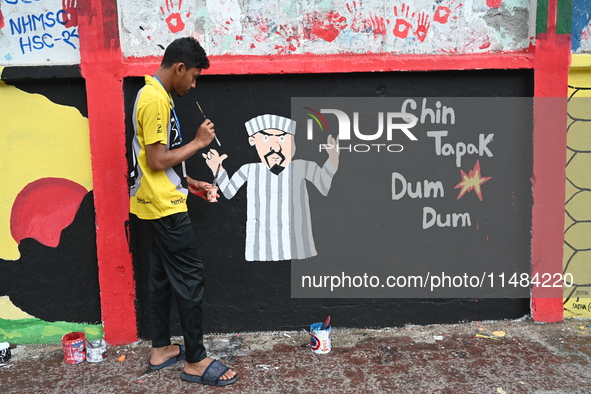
(275, 148)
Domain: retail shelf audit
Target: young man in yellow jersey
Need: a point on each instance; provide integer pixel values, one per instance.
(159, 196)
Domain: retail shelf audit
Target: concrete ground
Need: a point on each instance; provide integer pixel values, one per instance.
(456, 358)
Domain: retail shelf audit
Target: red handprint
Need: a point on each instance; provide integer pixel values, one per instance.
(262, 27)
(402, 25)
(1, 17)
(366, 24)
(291, 36)
(378, 24)
(174, 20)
(324, 26)
(443, 12)
(71, 9)
(423, 27)
(356, 16)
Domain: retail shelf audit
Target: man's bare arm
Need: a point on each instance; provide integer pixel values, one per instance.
(159, 158)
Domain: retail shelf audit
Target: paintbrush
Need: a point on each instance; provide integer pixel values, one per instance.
(326, 323)
(205, 117)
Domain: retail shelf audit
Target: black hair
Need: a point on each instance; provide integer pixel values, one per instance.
(185, 50)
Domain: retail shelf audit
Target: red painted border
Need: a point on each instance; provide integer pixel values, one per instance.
(344, 63)
(104, 68)
(552, 61)
(100, 64)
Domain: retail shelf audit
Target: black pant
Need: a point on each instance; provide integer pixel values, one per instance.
(176, 268)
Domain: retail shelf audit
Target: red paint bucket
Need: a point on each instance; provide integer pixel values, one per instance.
(74, 347)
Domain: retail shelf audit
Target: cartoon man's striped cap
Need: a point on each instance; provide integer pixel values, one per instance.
(267, 121)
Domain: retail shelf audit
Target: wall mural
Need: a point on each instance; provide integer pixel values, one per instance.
(278, 224)
(255, 27)
(45, 156)
(577, 230)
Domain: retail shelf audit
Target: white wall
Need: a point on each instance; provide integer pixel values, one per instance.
(45, 32)
(267, 27)
(38, 32)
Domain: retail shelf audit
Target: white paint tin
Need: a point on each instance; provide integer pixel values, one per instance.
(96, 351)
(320, 340)
(4, 352)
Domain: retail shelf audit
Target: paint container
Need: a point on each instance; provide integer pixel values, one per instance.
(4, 352)
(96, 351)
(320, 340)
(74, 347)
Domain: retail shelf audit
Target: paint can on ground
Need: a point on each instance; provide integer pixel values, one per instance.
(96, 351)
(4, 352)
(320, 340)
(74, 347)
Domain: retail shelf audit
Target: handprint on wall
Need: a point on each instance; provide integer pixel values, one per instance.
(403, 21)
(290, 37)
(71, 9)
(422, 27)
(325, 26)
(370, 23)
(356, 16)
(174, 20)
(261, 26)
(443, 12)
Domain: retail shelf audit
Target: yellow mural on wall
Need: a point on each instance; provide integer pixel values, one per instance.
(9, 311)
(577, 230)
(44, 151)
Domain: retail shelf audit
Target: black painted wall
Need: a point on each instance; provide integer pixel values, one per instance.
(246, 296)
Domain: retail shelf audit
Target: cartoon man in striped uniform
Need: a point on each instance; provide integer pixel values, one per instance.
(278, 223)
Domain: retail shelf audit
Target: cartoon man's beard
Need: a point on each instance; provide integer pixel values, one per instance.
(276, 168)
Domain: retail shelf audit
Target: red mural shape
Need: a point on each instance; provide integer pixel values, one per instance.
(472, 181)
(494, 3)
(174, 21)
(44, 208)
(324, 26)
(403, 25)
(1, 17)
(71, 9)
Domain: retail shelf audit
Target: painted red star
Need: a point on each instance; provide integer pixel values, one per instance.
(472, 181)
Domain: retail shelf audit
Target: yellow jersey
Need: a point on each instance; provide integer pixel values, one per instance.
(156, 194)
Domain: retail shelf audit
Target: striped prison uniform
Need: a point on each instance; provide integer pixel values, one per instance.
(278, 223)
